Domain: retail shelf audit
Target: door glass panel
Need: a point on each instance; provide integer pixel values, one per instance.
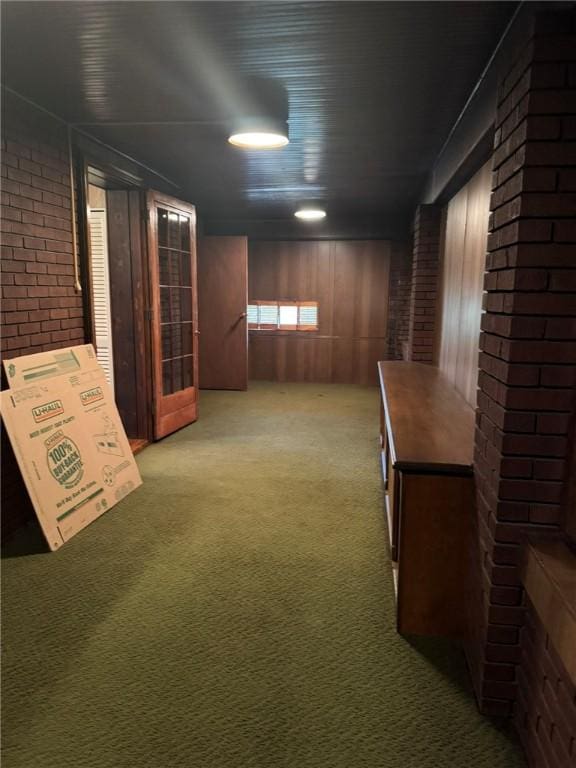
(175, 305)
(185, 234)
(166, 343)
(170, 269)
(186, 303)
(175, 272)
(188, 371)
(165, 313)
(174, 239)
(162, 228)
(177, 373)
(186, 338)
(164, 264)
(186, 270)
(166, 378)
(176, 336)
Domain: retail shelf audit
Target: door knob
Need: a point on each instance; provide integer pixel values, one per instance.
(243, 315)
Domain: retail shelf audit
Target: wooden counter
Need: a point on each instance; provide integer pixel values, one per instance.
(430, 424)
(427, 437)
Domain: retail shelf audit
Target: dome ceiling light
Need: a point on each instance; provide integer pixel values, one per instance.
(260, 118)
(310, 214)
(259, 133)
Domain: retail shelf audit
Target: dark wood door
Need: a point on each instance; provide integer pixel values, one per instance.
(222, 305)
(174, 312)
(128, 301)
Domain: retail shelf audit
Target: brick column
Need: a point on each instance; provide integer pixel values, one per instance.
(399, 300)
(40, 307)
(528, 349)
(544, 713)
(422, 333)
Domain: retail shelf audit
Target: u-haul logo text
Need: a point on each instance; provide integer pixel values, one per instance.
(91, 396)
(47, 411)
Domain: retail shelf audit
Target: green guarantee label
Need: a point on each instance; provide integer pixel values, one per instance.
(65, 462)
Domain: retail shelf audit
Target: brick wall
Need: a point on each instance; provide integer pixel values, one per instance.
(527, 362)
(40, 308)
(399, 301)
(545, 711)
(425, 264)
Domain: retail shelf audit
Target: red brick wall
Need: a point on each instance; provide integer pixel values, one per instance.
(399, 300)
(425, 268)
(528, 349)
(545, 710)
(40, 308)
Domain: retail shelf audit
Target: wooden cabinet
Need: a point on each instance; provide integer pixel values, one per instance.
(427, 447)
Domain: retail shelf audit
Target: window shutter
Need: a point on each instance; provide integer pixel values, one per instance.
(308, 316)
(253, 315)
(101, 291)
(268, 315)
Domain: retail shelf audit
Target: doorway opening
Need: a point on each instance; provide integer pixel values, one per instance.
(117, 295)
(140, 299)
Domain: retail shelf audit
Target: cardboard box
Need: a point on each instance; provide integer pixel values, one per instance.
(68, 439)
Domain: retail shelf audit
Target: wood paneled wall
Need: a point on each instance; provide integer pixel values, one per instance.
(350, 281)
(463, 266)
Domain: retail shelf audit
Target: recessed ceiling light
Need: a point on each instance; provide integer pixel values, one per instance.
(258, 140)
(310, 214)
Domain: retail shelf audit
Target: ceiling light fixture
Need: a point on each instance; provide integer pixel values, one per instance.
(310, 214)
(258, 140)
(261, 122)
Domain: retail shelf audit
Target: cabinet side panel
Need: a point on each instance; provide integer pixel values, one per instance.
(435, 517)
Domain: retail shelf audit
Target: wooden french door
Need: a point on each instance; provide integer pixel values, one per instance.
(174, 312)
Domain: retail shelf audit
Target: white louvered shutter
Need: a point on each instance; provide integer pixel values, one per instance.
(308, 315)
(253, 315)
(101, 291)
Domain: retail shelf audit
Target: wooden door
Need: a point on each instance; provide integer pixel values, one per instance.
(174, 312)
(222, 305)
(128, 302)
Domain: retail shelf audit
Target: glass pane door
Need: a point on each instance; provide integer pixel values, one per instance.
(176, 299)
(172, 252)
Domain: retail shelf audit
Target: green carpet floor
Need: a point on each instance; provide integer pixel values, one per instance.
(236, 612)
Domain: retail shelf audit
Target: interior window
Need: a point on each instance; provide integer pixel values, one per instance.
(283, 315)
